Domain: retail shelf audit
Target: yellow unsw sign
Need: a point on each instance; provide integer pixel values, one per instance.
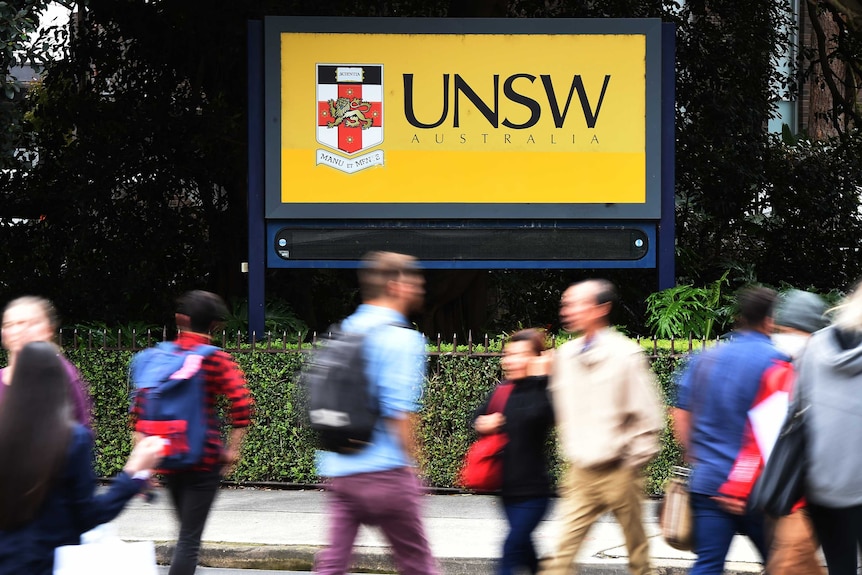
(463, 118)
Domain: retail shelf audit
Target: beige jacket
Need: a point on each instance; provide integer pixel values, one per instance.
(606, 402)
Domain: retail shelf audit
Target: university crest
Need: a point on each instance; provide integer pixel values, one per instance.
(350, 115)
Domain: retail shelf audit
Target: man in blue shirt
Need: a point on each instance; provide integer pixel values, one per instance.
(378, 485)
(715, 393)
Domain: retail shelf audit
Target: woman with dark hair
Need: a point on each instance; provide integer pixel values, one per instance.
(527, 419)
(47, 483)
(32, 318)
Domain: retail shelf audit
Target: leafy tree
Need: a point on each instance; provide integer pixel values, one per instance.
(139, 188)
(20, 45)
(811, 231)
(725, 97)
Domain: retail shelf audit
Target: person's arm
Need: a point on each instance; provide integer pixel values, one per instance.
(230, 455)
(681, 420)
(90, 509)
(233, 385)
(405, 429)
(489, 423)
(484, 422)
(645, 413)
(680, 413)
(79, 390)
(399, 354)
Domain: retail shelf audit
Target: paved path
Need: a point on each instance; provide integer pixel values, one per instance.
(282, 529)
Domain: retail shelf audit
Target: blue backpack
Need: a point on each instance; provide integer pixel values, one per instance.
(170, 382)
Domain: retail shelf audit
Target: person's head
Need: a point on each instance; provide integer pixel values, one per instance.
(28, 319)
(756, 309)
(200, 311)
(800, 311)
(848, 314)
(521, 346)
(392, 280)
(798, 314)
(35, 428)
(586, 306)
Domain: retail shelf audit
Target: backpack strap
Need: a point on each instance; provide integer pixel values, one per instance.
(500, 397)
(204, 349)
(168, 346)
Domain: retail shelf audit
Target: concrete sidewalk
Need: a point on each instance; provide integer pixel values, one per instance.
(282, 529)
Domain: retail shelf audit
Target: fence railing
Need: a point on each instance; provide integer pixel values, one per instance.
(269, 342)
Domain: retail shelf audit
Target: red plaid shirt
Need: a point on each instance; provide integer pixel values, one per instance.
(222, 377)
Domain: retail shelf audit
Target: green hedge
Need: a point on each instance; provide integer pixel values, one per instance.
(279, 447)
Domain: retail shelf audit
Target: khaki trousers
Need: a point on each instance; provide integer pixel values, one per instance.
(794, 547)
(586, 496)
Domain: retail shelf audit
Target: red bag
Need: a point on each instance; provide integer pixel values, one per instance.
(483, 464)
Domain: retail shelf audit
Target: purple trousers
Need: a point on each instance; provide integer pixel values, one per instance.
(389, 500)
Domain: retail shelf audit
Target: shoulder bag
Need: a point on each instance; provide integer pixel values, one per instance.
(483, 464)
(676, 520)
(782, 483)
(675, 517)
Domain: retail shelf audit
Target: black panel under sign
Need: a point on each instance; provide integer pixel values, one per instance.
(599, 243)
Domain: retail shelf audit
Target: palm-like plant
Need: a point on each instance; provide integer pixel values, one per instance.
(685, 310)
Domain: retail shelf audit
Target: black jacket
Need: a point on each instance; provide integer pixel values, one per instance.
(529, 420)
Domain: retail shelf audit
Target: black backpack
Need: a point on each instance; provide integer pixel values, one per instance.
(342, 406)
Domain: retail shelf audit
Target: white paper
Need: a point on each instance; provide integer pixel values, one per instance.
(137, 558)
(767, 418)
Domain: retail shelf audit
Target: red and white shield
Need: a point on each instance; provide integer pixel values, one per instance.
(350, 106)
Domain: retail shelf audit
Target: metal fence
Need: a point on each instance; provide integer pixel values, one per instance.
(118, 340)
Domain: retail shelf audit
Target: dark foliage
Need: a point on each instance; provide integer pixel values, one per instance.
(139, 188)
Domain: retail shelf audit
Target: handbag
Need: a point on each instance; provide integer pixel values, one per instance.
(675, 517)
(782, 483)
(483, 463)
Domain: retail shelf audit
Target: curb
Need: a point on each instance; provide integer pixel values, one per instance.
(379, 560)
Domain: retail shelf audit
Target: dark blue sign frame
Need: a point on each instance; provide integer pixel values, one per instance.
(661, 232)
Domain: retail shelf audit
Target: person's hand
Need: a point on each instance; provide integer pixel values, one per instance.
(229, 457)
(491, 423)
(732, 505)
(541, 364)
(146, 455)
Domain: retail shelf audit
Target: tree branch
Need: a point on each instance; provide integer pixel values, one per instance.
(825, 67)
(851, 10)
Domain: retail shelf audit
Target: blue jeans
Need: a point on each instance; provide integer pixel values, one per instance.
(714, 529)
(523, 516)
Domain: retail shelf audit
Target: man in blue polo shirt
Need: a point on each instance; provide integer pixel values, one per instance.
(714, 395)
(378, 485)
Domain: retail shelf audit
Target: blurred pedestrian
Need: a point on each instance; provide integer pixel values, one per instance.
(47, 483)
(793, 546)
(527, 419)
(609, 417)
(193, 489)
(715, 393)
(28, 319)
(793, 550)
(378, 485)
(829, 383)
